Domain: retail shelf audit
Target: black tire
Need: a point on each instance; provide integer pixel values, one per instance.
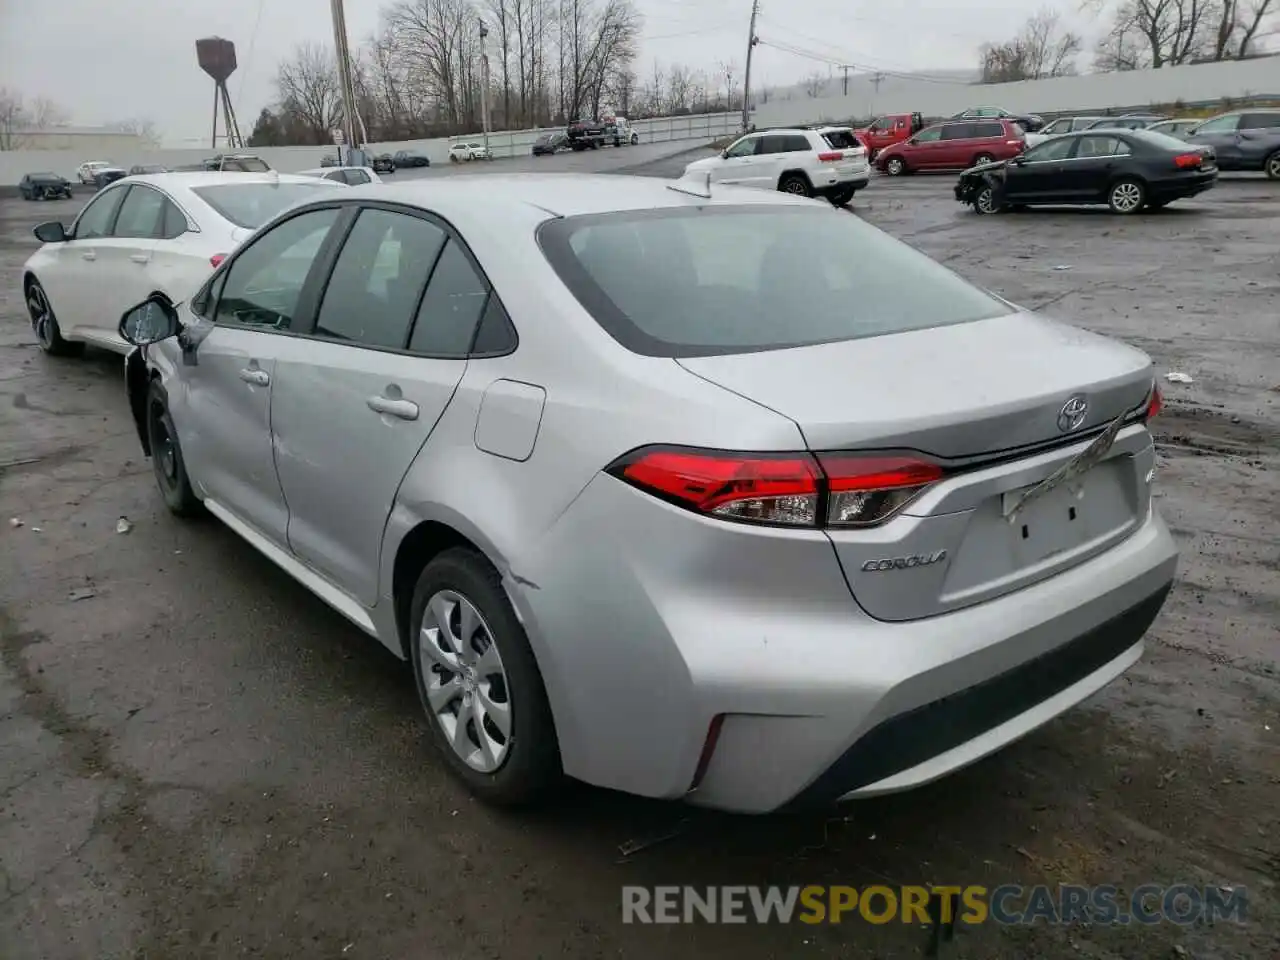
(531, 768)
(982, 158)
(1271, 166)
(166, 456)
(985, 202)
(1127, 196)
(896, 167)
(44, 324)
(796, 185)
(842, 198)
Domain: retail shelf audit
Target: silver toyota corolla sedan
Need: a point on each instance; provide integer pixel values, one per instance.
(726, 497)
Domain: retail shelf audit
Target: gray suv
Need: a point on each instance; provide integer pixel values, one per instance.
(1243, 140)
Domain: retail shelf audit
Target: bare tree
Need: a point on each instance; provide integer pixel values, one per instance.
(310, 93)
(140, 127)
(1237, 24)
(13, 119)
(679, 87)
(814, 84)
(1040, 49)
(728, 70)
(46, 113)
(1155, 33)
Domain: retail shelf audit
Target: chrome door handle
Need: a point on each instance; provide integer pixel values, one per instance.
(259, 378)
(404, 409)
(89, 255)
(139, 257)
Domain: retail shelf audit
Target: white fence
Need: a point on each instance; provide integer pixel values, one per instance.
(1201, 83)
(14, 164)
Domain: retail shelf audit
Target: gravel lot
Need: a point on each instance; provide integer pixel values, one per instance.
(198, 759)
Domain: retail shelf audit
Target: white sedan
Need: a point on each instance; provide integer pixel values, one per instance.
(351, 176)
(162, 233)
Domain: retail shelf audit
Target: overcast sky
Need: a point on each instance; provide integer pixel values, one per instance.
(106, 60)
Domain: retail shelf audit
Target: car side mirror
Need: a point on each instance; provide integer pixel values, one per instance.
(51, 232)
(1019, 160)
(151, 321)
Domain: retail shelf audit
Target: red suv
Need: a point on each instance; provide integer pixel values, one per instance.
(954, 145)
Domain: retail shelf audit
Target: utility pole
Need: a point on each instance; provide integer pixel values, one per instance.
(752, 40)
(353, 128)
(484, 84)
(845, 68)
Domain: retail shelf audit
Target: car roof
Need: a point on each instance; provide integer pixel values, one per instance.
(190, 179)
(314, 170)
(465, 198)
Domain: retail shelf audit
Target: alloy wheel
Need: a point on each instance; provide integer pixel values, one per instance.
(1126, 197)
(466, 684)
(986, 200)
(163, 451)
(41, 316)
(795, 187)
(895, 166)
(1273, 166)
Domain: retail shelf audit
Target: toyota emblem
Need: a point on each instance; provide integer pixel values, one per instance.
(1073, 412)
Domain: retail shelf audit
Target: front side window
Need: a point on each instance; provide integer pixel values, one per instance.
(1058, 126)
(373, 291)
(743, 148)
(884, 123)
(140, 214)
(1050, 150)
(723, 280)
(264, 283)
(928, 136)
(1220, 124)
(95, 219)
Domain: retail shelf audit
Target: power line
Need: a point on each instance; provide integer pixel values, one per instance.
(869, 68)
(844, 57)
(248, 60)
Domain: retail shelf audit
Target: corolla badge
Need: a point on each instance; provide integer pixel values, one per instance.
(904, 563)
(1073, 413)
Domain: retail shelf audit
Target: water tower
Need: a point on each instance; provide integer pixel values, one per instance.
(217, 58)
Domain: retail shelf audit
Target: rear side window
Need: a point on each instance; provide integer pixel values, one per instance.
(174, 223)
(451, 307)
(841, 139)
(723, 280)
(958, 131)
(373, 291)
(992, 128)
(139, 214)
(1257, 121)
(1101, 146)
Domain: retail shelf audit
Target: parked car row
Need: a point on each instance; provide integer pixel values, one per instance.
(454, 410)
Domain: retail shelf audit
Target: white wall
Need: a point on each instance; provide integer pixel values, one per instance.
(1202, 83)
(15, 163)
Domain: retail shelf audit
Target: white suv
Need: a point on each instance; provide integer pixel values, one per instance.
(470, 151)
(810, 163)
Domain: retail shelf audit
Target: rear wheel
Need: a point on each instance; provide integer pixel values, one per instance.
(795, 185)
(982, 158)
(45, 325)
(1272, 166)
(479, 683)
(1126, 197)
(896, 167)
(841, 198)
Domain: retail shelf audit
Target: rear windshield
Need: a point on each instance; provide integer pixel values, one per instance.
(721, 279)
(1158, 138)
(841, 139)
(253, 204)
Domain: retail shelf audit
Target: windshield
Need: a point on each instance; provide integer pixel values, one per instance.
(718, 280)
(253, 204)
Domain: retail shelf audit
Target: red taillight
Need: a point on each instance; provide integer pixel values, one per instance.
(830, 157)
(791, 489)
(1185, 160)
(866, 490)
(1155, 404)
(216, 260)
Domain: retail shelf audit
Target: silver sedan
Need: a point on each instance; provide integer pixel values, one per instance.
(719, 495)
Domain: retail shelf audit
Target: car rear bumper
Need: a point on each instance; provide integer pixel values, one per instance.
(1183, 186)
(654, 627)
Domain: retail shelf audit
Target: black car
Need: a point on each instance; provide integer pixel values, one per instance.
(1029, 122)
(550, 143)
(1125, 169)
(385, 163)
(408, 158)
(108, 175)
(44, 186)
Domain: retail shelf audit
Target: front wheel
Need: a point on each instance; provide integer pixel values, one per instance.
(982, 158)
(45, 325)
(479, 683)
(1126, 197)
(1272, 166)
(166, 456)
(896, 167)
(985, 201)
(842, 198)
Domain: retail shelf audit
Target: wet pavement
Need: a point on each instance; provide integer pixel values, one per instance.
(199, 759)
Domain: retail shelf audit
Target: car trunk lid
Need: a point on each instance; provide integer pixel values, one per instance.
(998, 403)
